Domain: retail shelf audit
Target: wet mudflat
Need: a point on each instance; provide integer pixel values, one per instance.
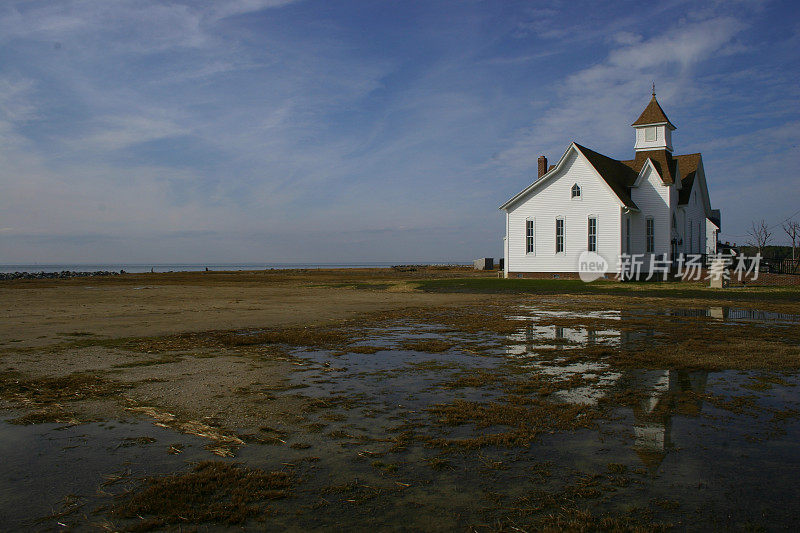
(513, 415)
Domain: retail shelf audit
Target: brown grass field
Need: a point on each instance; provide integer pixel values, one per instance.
(252, 360)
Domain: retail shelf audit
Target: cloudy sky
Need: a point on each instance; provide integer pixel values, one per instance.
(276, 131)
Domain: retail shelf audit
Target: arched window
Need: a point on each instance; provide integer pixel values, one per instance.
(576, 191)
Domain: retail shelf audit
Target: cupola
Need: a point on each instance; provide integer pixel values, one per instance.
(653, 128)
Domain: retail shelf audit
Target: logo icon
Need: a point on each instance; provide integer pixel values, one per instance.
(591, 266)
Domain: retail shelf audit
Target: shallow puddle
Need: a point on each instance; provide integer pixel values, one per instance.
(383, 441)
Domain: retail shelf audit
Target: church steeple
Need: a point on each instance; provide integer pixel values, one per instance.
(653, 128)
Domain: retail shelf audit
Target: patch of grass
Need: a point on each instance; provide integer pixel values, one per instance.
(475, 379)
(272, 430)
(166, 359)
(136, 441)
(617, 468)
(386, 468)
(255, 438)
(747, 349)
(440, 463)
(666, 504)
(428, 345)
(316, 427)
(318, 337)
(568, 508)
(211, 492)
(49, 414)
(330, 402)
(524, 419)
(763, 382)
(49, 390)
(356, 285)
(355, 492)
(632, 289)
(432, 366)
(175, 449)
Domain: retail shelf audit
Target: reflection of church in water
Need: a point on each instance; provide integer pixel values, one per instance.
(664, 393)
(668, 393)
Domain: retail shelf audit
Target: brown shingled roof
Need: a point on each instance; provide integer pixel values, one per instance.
(662, 159)
(688, 167)
(653, 114)
(619, 176)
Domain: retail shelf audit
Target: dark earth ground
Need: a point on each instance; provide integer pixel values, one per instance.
(418, 400)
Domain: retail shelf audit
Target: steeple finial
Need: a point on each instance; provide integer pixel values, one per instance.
(654, 89)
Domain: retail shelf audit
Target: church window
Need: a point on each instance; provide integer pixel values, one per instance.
(699, 239)
(592, 245)
(650, 232)
(576, 191)
(559, 235)
(529, 233)
(650, 134)
(628, 234)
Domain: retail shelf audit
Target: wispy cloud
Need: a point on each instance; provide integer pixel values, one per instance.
(273, 130)
(594, 105)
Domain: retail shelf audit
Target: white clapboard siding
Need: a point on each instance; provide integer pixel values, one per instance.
(711, 237)
(652, 198)
(552, 200)
(695, 216)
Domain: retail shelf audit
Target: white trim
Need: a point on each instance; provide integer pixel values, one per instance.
(626, 230)
(673, 128)
(596, 230)
(649, 222)
(533, 236)
(640, 177)
(563, 220)
(506, 255)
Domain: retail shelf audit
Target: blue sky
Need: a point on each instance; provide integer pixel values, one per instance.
(272, 130)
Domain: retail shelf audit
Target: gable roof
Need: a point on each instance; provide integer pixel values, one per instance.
(621, 175)
(662, 160)
(618, 176)
(653, 114)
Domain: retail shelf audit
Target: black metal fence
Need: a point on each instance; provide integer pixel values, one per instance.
(780, 266)
(746, 263)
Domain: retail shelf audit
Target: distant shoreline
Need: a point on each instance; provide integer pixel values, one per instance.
(140, 268)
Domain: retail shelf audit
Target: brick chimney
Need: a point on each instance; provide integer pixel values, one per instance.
(542, 166)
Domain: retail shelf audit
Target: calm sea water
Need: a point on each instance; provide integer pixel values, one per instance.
(193, 267)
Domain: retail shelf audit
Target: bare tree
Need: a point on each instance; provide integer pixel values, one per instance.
(761, 235)
(792, 229)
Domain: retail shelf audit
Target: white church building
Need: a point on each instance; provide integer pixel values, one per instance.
(654, 204)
